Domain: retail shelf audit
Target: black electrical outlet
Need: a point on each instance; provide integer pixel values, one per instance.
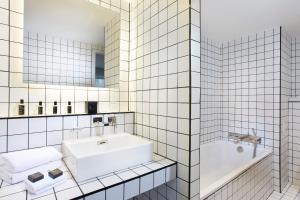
(91, 107)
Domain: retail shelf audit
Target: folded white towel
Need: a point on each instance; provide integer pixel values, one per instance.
(13, 178)
(23, 160)
(48, 188)
(45, 184)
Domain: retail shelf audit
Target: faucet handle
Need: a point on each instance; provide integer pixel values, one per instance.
(97, 120)
(112, 120)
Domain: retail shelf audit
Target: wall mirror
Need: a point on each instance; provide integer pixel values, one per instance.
(71, 43)
(63, 53)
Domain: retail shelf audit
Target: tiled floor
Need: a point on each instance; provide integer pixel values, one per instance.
(123, 184)
(291, 192)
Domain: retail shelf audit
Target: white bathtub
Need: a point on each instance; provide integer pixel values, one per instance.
(220, 162)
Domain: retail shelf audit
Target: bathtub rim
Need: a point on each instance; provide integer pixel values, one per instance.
(233, 174)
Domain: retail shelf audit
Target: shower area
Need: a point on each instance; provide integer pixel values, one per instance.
(249, 135)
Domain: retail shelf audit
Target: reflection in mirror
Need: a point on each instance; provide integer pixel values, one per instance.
(71, 42)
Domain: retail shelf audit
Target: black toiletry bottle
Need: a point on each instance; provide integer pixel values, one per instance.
(21, 107)
(55, 108)
(40, 108)
(69, 108)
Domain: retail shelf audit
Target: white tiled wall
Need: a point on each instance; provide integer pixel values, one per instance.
(294, 120)
(251, 89)
(285, 94)
(296, 66)
(294, 142)
(211, 90)
(26, 133)
(241, 89)
(160, 82)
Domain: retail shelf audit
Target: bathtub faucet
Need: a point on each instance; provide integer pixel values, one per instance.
(254, 139)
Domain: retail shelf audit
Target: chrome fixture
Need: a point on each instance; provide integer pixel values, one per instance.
(254, 139)
(257, 141)
(102, 122)
(96, 122)
(112, 121)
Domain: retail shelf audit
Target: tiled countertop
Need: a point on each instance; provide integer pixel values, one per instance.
(123, 184)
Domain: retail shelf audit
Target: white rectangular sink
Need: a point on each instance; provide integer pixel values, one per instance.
(87, 158)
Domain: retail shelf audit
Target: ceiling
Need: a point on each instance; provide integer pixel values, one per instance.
(224, 20)
(77, 20)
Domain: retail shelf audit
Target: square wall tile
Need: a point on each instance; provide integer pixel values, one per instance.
(3, 32)
(131, 189)
(146, 183)
(4, 4)
(96, 196)
(17, 142)
(84, 121)
(4, 63)
(4, 109)
(3, 127)
(3, 144)
(70, 122)
(16, 94)
(17, 126)
(37, 125)
(170, 173)
(37, 140)
(159, 177)
(115, 193)
(54, 123)
(4, 94)
(4, 77)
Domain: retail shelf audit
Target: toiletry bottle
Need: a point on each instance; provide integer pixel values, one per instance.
(69, 108)
(40, 108)
(55, 108)
(21, 107)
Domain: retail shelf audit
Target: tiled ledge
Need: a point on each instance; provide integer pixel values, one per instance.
(64, 115)
(120, 185)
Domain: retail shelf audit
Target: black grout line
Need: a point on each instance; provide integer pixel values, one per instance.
(78, 186)
(280, 115)
(54, 193)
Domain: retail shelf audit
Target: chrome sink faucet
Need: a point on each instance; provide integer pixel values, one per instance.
(98, 131)
(96, 122)
(112, 121)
